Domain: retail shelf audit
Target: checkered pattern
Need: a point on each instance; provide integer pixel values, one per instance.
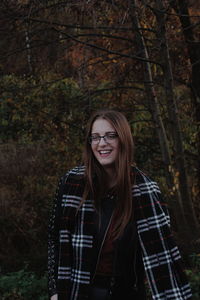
(71, 240)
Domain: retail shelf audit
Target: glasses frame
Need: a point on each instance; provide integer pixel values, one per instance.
(105, 137)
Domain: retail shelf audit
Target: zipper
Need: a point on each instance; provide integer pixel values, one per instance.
(100, 249)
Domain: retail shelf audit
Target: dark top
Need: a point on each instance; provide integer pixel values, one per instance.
(105, 265)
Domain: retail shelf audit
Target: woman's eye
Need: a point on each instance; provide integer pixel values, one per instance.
(111, 136)
(94, 137)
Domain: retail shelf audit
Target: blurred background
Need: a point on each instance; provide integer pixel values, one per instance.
(60, 61)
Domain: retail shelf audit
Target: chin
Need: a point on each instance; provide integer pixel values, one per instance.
(107, 164)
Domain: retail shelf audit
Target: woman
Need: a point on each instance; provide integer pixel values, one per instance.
(110, 226)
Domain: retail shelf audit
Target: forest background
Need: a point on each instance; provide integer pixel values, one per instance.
(61, 60)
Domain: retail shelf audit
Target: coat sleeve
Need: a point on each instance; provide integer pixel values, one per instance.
(161, 257)
(53, 240)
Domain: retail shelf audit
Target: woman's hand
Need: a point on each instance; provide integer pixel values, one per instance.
(54, 297)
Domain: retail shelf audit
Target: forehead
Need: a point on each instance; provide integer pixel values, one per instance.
(101, 126)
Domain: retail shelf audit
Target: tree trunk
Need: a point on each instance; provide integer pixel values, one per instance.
(28, 48)
(193, 46)
(157, 118)
(175, 127)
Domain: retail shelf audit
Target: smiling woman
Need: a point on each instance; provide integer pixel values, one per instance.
(105, 145)
(110, 226)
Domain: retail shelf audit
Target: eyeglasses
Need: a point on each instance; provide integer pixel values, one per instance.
(109, 138)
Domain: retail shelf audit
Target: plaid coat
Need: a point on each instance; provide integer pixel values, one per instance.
(71, 240)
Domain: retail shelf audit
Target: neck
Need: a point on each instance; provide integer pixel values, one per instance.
(111, 176)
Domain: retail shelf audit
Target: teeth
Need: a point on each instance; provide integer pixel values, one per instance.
(105, 151)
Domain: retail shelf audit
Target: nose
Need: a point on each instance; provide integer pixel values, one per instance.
(102, 141)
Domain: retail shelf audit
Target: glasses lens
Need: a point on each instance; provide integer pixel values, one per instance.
(95, 139)
(110, 137)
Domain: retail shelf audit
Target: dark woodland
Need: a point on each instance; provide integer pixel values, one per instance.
(60, 61)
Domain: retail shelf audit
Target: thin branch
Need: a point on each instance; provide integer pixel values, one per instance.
(116, 88)
(103, 35)
(82, 27)
(165, 11)
(106, 50)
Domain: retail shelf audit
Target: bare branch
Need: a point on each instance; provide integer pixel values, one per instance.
(106, 50)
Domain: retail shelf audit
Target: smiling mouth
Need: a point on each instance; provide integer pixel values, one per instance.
(104, 152)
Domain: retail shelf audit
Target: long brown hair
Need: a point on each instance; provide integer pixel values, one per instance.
(95, 174)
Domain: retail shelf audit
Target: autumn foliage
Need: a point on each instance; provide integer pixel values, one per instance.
(59, 61)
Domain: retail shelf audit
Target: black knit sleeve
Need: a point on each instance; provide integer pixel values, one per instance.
(53, 240)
